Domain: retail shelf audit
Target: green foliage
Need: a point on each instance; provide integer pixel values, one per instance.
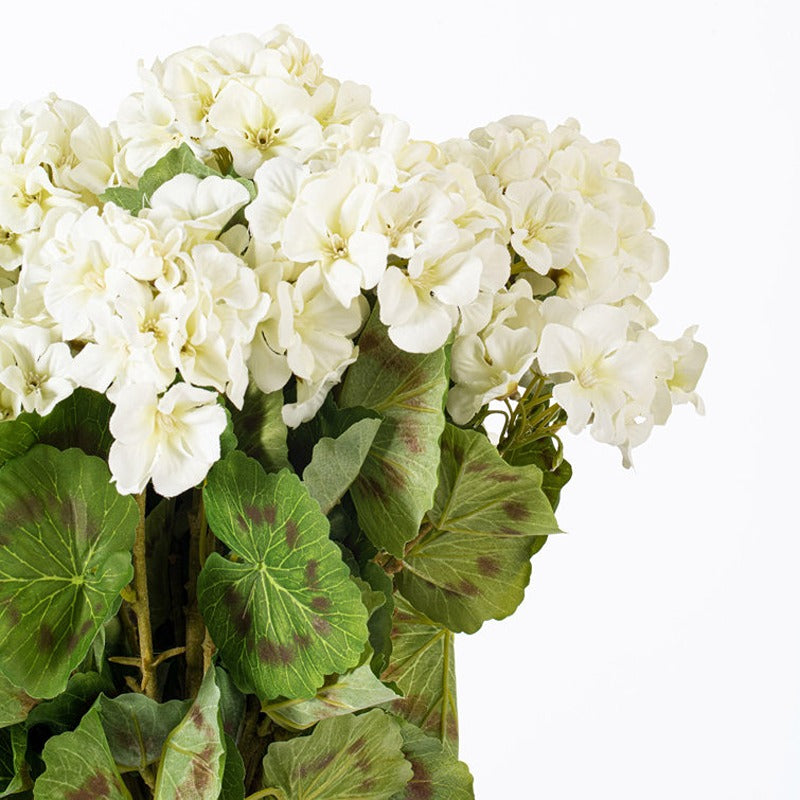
(15, 704)
(437, 774)
(194, 752)
(65, 541)
(282, 609)
(472, 562)
(344, 758)
(65, 711)
(79, 765)
(234, 774)
(423, 667)
(397, 482)
(14, 772)
(260, 429)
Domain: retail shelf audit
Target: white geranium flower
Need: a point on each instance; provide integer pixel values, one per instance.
(262, 121)
(544, 225)
(420, 305)
(39, 373)
(328, 225)
(278, 183)
(201, 206)
(597, 369)
(173, 439)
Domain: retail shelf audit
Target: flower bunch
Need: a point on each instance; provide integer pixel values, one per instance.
(251, 277)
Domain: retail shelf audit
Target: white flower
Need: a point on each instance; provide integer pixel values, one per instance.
(597, 369)
(328, 226)
(278, 183)
(173, 439)
(39, 372)
(201, 206)
(420, 305)
(263, 121)
(544, 225)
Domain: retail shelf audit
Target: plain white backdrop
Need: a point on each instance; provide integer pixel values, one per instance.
(657, 653)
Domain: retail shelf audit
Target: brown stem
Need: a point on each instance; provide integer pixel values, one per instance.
(141, 604)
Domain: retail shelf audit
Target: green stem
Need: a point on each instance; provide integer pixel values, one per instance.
(141, 604)
(277, 793)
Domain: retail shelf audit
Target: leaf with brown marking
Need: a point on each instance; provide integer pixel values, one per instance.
(399, 476)
(65, 554)
(281, 609)
(79, 765)
(488, 519)
(423, 667)
(15, 705)
(193, 759)
(437, 775)
(14, 772)
(344, 758)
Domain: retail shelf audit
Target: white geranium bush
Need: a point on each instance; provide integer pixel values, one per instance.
(251, 337)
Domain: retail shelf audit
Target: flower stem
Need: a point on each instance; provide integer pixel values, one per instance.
(276, 793)
(141, 605)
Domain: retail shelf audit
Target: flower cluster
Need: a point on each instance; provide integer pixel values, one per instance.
(256, 259)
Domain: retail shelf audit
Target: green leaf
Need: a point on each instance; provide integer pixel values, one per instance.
(345, 694)
(473, 563)
(131, 200)
(556, 470)
(65, 541)
(423, 667)
(194, 754)
(282, 611)
(79, 766)
(14, 774)
(233, 776)
(231, 704)
(15, 705)
(399, 477)
(335, 463)
(137, 727)
(344, 758)
(228, 440)
(65, 711)
(380, 619)
(260, 429)
(80, 420)
(179, 161)
(437, 774)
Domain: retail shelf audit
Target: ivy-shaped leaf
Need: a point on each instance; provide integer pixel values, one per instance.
(136, 727)
(399, 476)
(15, 705)
(282, 609)
(65, 555)
(344, 758)
(423, 667)
(79, 765)
(345, 694)
(335, 463)
(260, 429)
(193, 760)
(14, 774)
(65, 711)
(473, 561)
(437, 774)
(234, 774)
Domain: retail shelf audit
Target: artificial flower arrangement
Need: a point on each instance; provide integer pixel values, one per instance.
(281, 390)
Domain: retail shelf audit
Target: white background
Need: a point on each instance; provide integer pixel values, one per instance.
(657, 654)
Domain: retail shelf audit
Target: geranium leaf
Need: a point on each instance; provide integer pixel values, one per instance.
(260, 429)
(352, 691)
(437, 774)
(380, 619)
(79, 765)
(15, 705)
(14, 774)
(194, 753)
(125, 197)
(65, 555)
(344, 758)
(473, 563)
(335, 463)
(179, 161)
(556, 470)
(136, 727)
(399, 476)
(282, 610)
(423, 667)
